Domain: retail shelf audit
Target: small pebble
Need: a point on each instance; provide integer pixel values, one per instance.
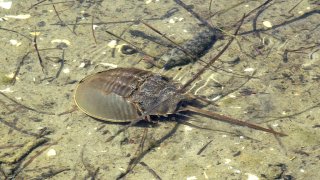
(66, 70)
(248, 70)
(172, 21)
(237, 171)
(51, 152)
(82, 65)
(227, 161)
(112, 44)
(14, 42)
(267, 24)
(188, 128)
(94, 27)
(192, 178)
(109, 65)
(10, 76)
(252, 176)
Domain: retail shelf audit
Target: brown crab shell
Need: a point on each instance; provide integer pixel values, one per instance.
(106, 95)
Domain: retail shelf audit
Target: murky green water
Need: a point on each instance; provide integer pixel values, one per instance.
(269, 77)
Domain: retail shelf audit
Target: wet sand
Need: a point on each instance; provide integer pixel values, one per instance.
(269, 76)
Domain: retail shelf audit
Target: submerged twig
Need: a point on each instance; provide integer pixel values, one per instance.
(187, 51)
(131, 44)
(61, 64)
(14, 78)
(204, 147)
(254, 20)
(25, 36)
(224, 10)
(62, 22)
(10, 146)
(24, 106)
(201, 71)
(91, 172)
(22, 167)
(38, 53)
(291, 115)
(194, 14)
(155, 175)
(12, 126)
(51, 173)
(92, 30)
(137, 159)
(34, 5)
(303, 16)
(295, 6)
(287, 51)
(61, 61)
(51, 3)
(279, 141)
(74, 108)
(257, 8)
(24, 151)
(14, 123)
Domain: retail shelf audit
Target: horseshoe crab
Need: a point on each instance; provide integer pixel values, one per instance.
(130, 94)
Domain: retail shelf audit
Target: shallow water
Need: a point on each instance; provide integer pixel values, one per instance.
(264, 87)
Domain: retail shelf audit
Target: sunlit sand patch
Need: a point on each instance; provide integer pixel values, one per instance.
(112, 44)
(61, 41)
(20, 16)
(37, 33)
(66, 70)
(148, 1)
(6, 90)
(5, 4)
(109, 65)
(192, 178)
(252, 176)
(248, 70)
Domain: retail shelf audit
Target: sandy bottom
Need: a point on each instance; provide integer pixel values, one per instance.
(269, 76)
